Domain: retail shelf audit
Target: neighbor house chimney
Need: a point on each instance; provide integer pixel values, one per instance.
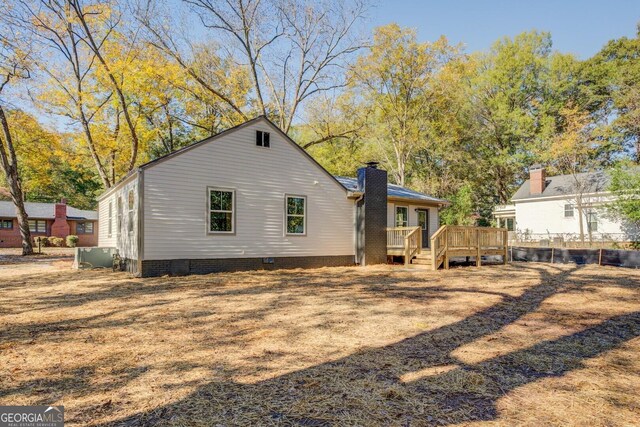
(60, 226)
(371, 216)
(537, 179)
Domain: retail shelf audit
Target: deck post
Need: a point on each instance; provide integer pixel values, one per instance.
(505, 242)
(478, 259)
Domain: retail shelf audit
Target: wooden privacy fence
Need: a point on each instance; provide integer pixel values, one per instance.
(460, 241)
(404, 241)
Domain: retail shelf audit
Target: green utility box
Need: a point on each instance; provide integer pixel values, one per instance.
(87, 258)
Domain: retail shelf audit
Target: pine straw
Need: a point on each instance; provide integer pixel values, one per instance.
(524, 344)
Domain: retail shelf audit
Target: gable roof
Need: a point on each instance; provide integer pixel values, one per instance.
(393, 191)
(234, 128)
(213, 138)
(564, 185)
(44, 211)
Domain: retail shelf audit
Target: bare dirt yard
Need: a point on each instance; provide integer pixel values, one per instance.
(522, 344)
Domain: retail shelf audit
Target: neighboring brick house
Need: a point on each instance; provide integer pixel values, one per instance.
(48, 219)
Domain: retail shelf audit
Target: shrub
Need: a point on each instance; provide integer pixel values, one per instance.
(72, 241)
(635, 245)
(41, 240)
(56, 241)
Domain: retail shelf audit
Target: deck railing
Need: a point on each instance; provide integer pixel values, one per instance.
(404, 241)
(463, 241)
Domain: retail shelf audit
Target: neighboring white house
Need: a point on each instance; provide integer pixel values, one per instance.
(547, 207)
(250, 198)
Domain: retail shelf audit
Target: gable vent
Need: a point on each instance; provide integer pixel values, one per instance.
(262, 139)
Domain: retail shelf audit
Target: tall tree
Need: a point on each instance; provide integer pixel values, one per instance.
(292, 50)
(614, 76)
(14, 65)
(395, 80)
(573, 151)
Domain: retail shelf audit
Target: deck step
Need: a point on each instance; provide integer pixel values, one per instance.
(421, 261)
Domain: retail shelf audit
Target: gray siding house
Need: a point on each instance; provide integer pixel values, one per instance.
(251, 198)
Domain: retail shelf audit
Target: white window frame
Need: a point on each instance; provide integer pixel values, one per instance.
(110, 225)
(232, 211)
(395, 215)
(131, 209)
(591, 214)
(572, 210)
(287, 215)
(119, 215)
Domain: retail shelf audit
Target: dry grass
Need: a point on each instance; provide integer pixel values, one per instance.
(525, 344)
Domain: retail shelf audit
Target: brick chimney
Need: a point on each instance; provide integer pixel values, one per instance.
(537, 179)
(371, 216)
(60, 226)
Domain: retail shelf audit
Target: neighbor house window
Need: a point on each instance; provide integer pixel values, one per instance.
(510, 223)
(592, 222)
(84, 227)
(568, 211)
(37, 226)
(402, 216)
(131, 203)
(119, 216)
(110, 225)
(6, 224)
(262, 139)
(221, 207)
(296, 211)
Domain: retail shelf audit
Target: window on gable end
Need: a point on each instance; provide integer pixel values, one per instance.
(263, 139)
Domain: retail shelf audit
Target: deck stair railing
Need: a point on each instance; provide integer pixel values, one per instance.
(462, 241)
(404, 241)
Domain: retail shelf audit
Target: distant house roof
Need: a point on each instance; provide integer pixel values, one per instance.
(44, 211)
(565, 185)
(393, 190)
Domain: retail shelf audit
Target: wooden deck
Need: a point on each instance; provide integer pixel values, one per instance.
(446, 243)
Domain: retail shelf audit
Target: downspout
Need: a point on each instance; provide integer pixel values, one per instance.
(140, 235)
(356, 233)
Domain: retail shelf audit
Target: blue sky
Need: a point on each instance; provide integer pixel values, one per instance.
(579, 27)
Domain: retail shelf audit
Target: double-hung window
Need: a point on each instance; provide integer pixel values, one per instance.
(568, 211)
(592, 222)
(402, 216)
(110, 225)
(296, 210)
(131, 212)
(84, 227)
(221, 211)
(37, 225)
(119, 208)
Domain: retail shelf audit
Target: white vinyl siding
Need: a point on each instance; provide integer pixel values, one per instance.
(122, 221)
(540, 218)
(176, 211)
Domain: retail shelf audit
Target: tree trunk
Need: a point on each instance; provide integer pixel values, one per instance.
(9, 163)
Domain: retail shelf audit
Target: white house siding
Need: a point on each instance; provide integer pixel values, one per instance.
(175, 201)
(125, 242)
(434, 220)
(543, 217)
